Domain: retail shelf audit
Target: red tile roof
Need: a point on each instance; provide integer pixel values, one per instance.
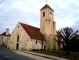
(4, 34)
(33, 32)
(46, 6)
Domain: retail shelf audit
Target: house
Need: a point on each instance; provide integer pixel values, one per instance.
(4, 37)
(27, 37)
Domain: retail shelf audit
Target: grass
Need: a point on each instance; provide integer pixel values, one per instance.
(61, 54)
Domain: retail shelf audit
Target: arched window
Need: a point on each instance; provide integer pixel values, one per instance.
(18, 38)
(50, 14)
(43, 14)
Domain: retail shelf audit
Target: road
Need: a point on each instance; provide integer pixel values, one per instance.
(9, 55)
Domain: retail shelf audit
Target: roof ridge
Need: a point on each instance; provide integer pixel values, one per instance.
(32, 31)
(4, 33)
(29, 25)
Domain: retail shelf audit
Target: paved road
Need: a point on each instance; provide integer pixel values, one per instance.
(8, 55)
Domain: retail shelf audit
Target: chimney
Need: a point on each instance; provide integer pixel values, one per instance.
(7, 31)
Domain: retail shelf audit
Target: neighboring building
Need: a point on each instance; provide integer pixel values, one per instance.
(28, 37)
(4, 37)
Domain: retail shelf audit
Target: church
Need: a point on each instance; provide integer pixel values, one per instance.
(29, 37)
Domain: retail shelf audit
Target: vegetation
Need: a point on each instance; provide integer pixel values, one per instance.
(43, 42)
(67, 34)
(73, 55)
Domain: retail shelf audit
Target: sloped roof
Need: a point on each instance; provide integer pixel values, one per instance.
(4, 34)
(33, 32)
(46, 6)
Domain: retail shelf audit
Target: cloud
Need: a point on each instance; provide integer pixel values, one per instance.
(66, 13)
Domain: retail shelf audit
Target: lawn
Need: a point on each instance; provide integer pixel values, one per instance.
(73, 55)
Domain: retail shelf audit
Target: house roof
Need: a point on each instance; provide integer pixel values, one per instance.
(46, 6)
(4, 34)
(33, 32)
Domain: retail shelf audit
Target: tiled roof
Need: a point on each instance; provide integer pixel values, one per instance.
(4, 34)
(46, 6)
(33, 32)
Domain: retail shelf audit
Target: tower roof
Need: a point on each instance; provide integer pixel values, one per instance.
(46, 6)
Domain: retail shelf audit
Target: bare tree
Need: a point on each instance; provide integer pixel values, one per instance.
(43, 41)
(67, 34)
(58, 39)
(1, 2)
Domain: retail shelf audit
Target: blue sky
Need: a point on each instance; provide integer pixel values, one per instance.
(66, 13)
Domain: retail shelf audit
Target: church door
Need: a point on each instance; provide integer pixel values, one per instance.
(17, 44)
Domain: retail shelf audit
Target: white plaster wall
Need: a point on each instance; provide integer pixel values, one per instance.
(23, 37)
(5, 39)
(36, 46)
(29, 45)
(8, 43)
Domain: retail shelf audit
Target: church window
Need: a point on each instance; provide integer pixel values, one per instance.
(18, 26)
(43, 14)
(50, 14)
(36, 41)
(18, 38)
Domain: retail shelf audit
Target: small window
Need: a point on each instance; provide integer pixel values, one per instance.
(43, 14)
(2, 37)
(18, 38)
(50, 13)
(36, 41)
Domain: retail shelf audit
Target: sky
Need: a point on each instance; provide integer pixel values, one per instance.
(66, 13)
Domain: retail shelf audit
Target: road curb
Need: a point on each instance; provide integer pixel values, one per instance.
(41, 56)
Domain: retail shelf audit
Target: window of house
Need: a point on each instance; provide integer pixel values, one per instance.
(2, 37)
(36, 41)
(43, 14)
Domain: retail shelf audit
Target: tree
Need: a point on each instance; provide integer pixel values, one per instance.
(67, 35)
(58, 39)
(43, 41)
(1, 1)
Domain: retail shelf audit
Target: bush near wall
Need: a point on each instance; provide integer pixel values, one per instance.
(73, 45)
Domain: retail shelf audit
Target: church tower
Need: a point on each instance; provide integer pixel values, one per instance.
(48, 26)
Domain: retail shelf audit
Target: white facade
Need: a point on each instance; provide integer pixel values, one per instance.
(25, 42)
(4, 37)
(48, 26)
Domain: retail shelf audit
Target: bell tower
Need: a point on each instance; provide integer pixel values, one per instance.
(47, 25)
(46, 18)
